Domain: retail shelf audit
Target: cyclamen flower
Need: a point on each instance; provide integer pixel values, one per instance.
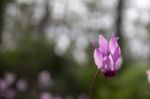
(148, 75)
(108, 56)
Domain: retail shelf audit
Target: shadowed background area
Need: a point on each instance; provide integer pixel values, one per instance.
(46, 51)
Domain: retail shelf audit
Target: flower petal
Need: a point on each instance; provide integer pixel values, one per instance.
(118, 64)
(117, 38)
(98, 58)
(103, 44)
(111, 64)
(107, 64)
(113, 44)
(93, 43)
(116, 54)
(110, 70)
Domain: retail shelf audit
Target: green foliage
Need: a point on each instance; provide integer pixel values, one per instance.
(130, 83)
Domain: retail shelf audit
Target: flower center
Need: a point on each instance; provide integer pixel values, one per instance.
(109, 73)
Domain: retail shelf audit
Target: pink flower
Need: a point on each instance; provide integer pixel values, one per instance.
(46, 95)
(10, 78)
(148, 75)
(44, 78)
(21, 85)
(108, 56)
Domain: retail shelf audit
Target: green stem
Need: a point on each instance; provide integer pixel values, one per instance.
(93, 84)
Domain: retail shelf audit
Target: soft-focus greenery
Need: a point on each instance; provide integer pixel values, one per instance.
(32, 33)
(33, 56)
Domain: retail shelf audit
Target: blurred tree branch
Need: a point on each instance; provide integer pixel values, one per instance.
(119, 21)
(2, 8)
(40, 28)
(119, 29)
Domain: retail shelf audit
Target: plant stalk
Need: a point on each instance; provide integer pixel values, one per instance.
(93, 84)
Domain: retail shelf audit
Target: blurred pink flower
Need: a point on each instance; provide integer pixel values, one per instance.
(3, 85)
(148, 75)
(45, 95)
(10, 78)
(21, 85)
(44, 78)
(108, 56)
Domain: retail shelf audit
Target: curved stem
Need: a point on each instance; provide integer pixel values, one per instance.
(93, 84)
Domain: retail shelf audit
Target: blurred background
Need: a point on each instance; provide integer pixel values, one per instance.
(46, 51)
